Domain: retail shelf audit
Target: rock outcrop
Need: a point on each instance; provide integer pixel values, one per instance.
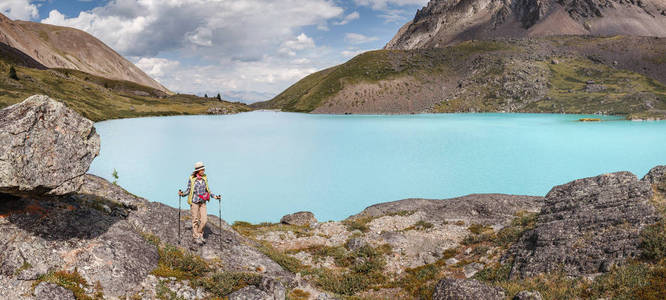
(301, 218)
(55, 217)
(586, 226)
(465, 289)
(443, 22)
(45, 147)
(657, 176)
(487, 209)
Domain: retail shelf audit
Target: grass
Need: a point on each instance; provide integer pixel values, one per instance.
(625, 92)
(98, 98)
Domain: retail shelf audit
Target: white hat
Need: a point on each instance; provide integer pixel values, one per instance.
(199, 166)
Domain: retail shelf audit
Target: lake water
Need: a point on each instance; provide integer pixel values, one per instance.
(267, 164)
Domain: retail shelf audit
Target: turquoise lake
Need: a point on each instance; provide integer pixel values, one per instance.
(267, 164)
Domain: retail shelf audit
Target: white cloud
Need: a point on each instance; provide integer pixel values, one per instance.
(351, 53)
(239, 47)
(348, 18)
(19, 9)
(156, 67)
(384, 4)
(357, 38)
(147, 27)
(301, 42)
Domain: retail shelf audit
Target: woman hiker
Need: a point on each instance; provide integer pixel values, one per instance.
(197, 195)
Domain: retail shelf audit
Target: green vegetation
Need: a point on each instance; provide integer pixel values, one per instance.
(653, 241)
(115, 176)
(12, 73)
(181, 265)
(223, 283)
(99, 98)
(614, 91)
(72, 281)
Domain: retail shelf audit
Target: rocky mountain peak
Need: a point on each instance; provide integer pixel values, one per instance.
(443, 22)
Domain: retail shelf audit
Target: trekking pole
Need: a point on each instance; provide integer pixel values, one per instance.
(179, 198)
(220, 216)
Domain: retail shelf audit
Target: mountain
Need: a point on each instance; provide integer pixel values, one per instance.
(443, 22)
(560, 74)
(97, 98)
(63, 47)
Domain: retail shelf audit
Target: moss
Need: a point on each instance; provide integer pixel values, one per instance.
(72, 281)
(298, 294)
(224, 283)
(360, 223)
(176, 263)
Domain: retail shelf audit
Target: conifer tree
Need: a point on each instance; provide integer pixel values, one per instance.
(219, 97)
(12, 73)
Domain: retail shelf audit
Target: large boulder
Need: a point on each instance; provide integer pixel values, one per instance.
(586, 226)
(45, 147)
(465, 289)
(301, 218)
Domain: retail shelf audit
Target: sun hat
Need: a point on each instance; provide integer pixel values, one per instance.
(199, 166)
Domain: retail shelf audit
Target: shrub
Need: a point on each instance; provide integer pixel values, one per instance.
(72, 281)
(653, 241)
(224, 283)
(174, 263)
(12, 73)
(360, 224)
(495, 273)
(449, 253)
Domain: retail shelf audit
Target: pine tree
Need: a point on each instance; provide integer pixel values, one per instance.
(12, 73)
(219, 97)
(205, 95)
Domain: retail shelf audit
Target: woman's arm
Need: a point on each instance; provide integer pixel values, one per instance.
(187, 190)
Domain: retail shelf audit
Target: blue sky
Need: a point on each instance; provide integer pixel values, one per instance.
(245, 49)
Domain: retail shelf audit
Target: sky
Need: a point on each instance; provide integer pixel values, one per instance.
(247, 50)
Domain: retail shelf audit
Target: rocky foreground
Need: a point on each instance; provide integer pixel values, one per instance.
(70, 235)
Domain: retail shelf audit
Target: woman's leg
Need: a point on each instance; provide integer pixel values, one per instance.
(203, 217)
(194, 208)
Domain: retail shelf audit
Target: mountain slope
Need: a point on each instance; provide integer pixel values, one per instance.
(443, 22)
(614, 75)
(62, 47)
(98, 98)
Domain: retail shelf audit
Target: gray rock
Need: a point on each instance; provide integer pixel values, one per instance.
(487, 209)
(528, 295)
(656, 175)
(52, 291)
(301, 218)
(45, 147)
(465, 289)
(586, 226)
(100, 187)
(250, 293)
(471, 269)
(354, 244)
(451, 261)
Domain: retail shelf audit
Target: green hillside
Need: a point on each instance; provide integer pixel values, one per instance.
(99, 98)
(611, 75)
